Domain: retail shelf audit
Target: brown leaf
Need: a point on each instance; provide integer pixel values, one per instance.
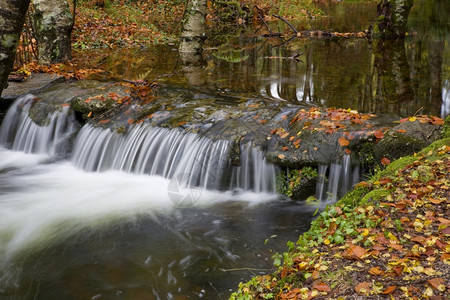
(389, 290)
(343, 142)
(444, 221)
(281, 156)
(396, 246)
(354, 252)
(436, 282)
(321, 287)
(130, 121)
(285, 148)
(379, 248)
(441, 245)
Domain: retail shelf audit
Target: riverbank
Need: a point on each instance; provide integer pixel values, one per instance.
(388, 238)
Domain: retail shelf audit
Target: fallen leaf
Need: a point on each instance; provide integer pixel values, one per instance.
(385, 161)
(363, 288)
(343, 142)
(389, 289)
(281, 156)
(321, 287)
(376, 271)
(378, 134)
(437, 284)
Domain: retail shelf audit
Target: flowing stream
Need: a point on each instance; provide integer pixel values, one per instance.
(153, 213)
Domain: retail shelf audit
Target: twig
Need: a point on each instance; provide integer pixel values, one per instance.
(285, 21)
(262, 19)
(285, 42)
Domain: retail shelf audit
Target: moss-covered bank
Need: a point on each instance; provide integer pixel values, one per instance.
(389, 237)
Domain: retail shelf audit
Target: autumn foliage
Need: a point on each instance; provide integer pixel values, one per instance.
(389, 238)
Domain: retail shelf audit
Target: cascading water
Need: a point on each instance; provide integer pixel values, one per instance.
(336, 179)
(20, 133)
(159, 151)
(52, 212)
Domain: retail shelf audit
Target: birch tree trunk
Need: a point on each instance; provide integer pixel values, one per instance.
(193, 34)
(53, 24)
(12, 17)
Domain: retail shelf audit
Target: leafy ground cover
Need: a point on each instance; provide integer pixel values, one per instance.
(388, 238)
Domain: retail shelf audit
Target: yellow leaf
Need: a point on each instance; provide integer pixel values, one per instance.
(412, 119)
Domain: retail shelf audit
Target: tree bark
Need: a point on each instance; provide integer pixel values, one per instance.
(12, 17)
(193, 34)
(392, 18)
(53, 28)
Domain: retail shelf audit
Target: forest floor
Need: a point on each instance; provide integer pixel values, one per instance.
(388, 238)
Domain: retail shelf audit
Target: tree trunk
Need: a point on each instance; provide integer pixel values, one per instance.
(12, 17)
(392, 18)
(53, 27)
(193, 34)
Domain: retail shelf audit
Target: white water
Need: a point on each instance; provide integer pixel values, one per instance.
(20, 133)
(52, 202)
(170, 152)
(336, 179)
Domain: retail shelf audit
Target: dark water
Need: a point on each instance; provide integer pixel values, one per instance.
(399, 77)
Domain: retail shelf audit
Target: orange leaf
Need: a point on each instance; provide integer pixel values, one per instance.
(385, 161)
(401, 130)
(179, 124)
(321, 287)
(347, 151)
(285, 148)
(343, 142)
(376, 271)
(389, 289)
(363, 288)
(130, 121)
(281, 156)
(378, 134)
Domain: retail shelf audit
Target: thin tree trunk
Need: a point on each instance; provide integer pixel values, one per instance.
(12, 17)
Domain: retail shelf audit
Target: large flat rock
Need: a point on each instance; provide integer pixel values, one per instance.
(32, 84)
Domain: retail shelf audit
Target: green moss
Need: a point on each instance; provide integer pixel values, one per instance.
(446, 129)
(374, 196)
(10, 40)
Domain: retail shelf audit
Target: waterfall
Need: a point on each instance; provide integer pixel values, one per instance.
(20, 133)
(336, 179)
(200, 161)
